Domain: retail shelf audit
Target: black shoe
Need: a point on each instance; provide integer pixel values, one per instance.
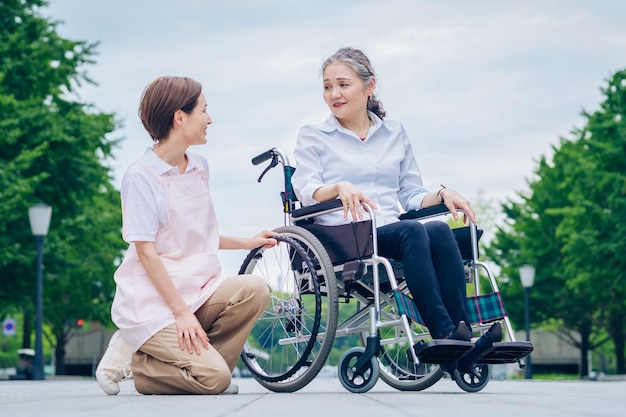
(491, 336)
(494, 334)
(461, 332)
(484, 342)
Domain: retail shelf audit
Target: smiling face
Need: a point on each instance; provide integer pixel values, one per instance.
(344, 92)
(195, 123)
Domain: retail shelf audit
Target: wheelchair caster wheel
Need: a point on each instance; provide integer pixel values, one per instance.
(474, 379)
(355, 380)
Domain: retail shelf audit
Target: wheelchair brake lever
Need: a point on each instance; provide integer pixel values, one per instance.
(352, 271)
(270, 166)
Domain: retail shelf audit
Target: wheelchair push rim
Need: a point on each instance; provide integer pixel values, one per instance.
(290, 342)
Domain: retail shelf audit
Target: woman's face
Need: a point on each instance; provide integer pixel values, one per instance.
(344, 92)
(196, 123)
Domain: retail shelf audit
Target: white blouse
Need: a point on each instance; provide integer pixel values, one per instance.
(382, 166)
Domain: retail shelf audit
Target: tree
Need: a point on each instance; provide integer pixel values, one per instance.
(569, 227)
(55, 149)
(598, 229)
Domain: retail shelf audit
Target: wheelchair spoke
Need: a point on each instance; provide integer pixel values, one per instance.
(285, 348)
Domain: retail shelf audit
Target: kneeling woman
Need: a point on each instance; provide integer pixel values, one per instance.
(182, 322)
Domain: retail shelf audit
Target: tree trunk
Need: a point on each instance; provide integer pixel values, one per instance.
(617, 334)
(59, 354)
(585, 334)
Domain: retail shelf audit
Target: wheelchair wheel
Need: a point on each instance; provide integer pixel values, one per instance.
(396, 370)
(354, 380)
(290, 342)
(473, 381)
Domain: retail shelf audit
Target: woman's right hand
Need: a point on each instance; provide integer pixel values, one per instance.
(189, 328)
(351, 198)
(190, 331)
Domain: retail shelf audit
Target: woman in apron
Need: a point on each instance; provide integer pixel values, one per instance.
(181, 324)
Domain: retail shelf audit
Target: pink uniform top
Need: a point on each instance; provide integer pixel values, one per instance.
(187, 245)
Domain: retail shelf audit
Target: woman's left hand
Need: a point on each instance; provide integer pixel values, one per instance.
(455, 201)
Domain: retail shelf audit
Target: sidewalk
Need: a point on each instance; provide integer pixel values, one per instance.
(324, 397)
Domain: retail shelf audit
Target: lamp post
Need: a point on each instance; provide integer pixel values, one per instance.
(39, 217)
(527, 276)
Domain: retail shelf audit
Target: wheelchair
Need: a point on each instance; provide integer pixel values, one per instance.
(321, 273)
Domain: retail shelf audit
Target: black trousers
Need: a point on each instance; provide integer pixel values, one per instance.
(433, 270)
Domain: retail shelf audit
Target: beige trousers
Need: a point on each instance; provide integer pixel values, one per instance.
(161, 367)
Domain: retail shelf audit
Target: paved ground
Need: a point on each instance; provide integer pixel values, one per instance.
(324, 397)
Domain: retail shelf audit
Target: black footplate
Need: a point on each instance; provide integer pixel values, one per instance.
(441, 351)
(504, 352)
(450, 351)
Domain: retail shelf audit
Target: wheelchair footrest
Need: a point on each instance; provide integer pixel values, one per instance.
(505, 352)
(441, 351)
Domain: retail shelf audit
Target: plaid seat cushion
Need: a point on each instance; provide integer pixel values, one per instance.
(485, 308)
(480, 309)
(407, 306)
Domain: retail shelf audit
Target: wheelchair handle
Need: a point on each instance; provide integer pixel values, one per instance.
(259, 159)
(277, 156)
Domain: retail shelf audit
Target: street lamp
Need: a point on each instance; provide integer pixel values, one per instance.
(39, 217)
(527, 276)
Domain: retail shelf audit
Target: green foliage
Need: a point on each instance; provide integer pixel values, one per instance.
(54, 150)
(569, 226)
(8, 348)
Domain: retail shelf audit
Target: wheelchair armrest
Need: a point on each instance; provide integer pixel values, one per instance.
(332, 205)
(425, 212)
(316, 209)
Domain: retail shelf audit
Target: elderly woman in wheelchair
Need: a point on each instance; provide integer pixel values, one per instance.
(356, 175)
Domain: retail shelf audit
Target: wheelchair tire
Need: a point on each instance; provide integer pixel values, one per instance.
(396, 370)
(290, 342)
(353, 380)
(474, 381)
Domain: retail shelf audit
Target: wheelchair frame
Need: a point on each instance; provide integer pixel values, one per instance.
(291, 341)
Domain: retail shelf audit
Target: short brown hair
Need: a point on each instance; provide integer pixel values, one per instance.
(162, 98)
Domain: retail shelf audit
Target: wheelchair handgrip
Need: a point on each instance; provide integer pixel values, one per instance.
(425, 212)
(262, 157)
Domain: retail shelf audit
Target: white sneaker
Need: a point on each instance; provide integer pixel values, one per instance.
(114, 367)
(232, 389)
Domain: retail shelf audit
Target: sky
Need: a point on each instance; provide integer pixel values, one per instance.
(484, 88)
